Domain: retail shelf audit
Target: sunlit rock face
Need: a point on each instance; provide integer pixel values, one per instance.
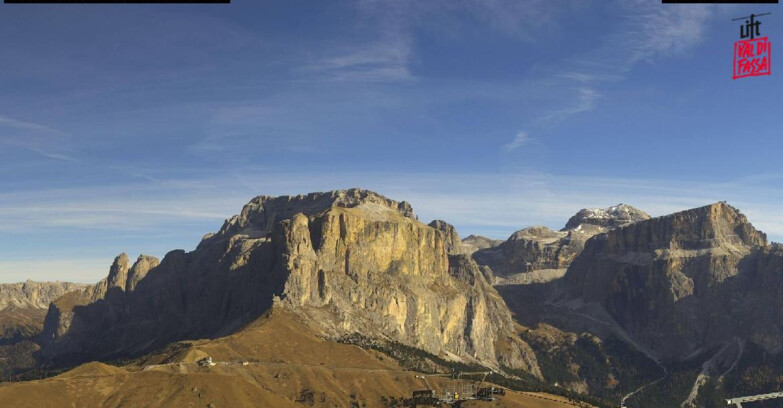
(23, 308)
(35, 295)
(615, 216)
(346, 261)
(375, 270)
(539, 254)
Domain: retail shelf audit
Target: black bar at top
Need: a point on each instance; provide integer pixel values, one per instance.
(117, 1)
(719, 1)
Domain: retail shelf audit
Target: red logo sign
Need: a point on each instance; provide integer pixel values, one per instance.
(751, 54)
(751, 57)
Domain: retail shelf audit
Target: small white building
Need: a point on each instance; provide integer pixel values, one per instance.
(206, 362)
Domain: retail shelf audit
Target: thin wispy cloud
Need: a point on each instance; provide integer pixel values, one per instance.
(382, 52)
(8, 122)
(489, 204)
(523, 19)
(53, 155)
(378, 62)
(653, 31)
(485, 199)
(389, 49)
(131, 206)
(583, 100)
(519, 139)
(38, 138)
(579, 77)
(647, 32)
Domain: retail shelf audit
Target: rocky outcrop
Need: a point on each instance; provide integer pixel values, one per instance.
(539, 254)
(453, 242)
(35, 295)
(70, 314)
(376, 271)
(118, 273)
(615, 216)
(140, 268)
(679, 283)
(259, 216)
(23, 308)
(123, 277)
(473, 243)
(344, 261)
(532, 249)
(391, 276)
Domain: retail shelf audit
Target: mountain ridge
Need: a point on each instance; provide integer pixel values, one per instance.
(542, 254)
(346, 261)
(570, 306)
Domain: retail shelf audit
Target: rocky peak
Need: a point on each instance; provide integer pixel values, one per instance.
(536, 232)
(344, 261)
(539, 248)
(137, 272)
(612, 217)
(473, 243)
(122, 275)
(259, 216)
(118, 273)
(711, 226)
(453, 242)
(670, 280)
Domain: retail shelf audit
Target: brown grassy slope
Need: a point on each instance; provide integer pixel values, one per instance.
(287, 365)
(101, 388)
(21, 322)
(17, 325)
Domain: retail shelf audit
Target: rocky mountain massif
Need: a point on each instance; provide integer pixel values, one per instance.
(23, 307)
(697, 287)
(674, 311)
(34, 295)
(678, 282)
(696, 292)
(345, 262)
(539, 254)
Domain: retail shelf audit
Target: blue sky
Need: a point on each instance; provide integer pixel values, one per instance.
(141, 128)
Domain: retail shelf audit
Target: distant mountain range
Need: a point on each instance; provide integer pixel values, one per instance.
(680, 310)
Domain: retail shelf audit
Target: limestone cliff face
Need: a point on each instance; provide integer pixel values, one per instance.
(374, 271)
(677, 282)
(539, 254)
(118, 273)
(453, 242)
(533, 249)
(23, 307)
(70, 314)
(762, 299)
(259, 216)
(139, 270)
(122, 277)
(346, 261)
(36, 295)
